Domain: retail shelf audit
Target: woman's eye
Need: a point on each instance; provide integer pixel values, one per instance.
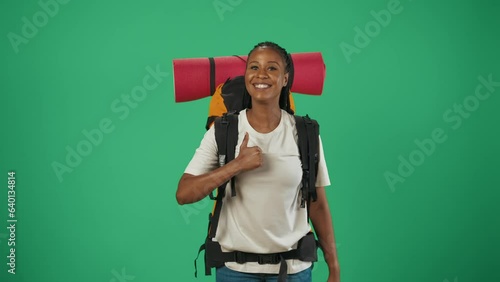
(253, 67)
(272, 68)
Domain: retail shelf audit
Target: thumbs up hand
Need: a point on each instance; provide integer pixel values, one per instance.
(249, 157)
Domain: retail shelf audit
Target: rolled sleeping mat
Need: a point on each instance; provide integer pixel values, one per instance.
(197, 78)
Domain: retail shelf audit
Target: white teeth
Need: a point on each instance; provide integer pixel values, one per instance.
(261, 86)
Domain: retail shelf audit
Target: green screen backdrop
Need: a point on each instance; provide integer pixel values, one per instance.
(409, 120)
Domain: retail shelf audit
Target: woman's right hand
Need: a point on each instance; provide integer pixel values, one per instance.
(249, 157)
(193, 188)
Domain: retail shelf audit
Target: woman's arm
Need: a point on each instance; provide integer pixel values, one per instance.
(319, 212)
(193, 188)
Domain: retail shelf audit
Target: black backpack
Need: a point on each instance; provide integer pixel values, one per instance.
(226, 135)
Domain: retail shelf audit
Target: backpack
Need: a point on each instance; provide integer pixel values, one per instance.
(224, 107)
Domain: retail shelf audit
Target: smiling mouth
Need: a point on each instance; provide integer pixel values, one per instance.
(261, 85)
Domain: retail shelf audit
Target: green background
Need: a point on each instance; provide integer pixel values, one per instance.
(116, 213)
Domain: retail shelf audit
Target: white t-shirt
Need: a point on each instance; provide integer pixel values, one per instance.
(265, 215)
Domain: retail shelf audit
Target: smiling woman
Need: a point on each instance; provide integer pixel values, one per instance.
(266, 79)
(263, 229)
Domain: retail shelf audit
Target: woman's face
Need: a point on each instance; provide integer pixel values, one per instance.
(265, 75)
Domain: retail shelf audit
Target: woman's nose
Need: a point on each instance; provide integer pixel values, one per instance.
(262, 73)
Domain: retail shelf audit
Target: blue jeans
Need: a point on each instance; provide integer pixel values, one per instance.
(224, 274)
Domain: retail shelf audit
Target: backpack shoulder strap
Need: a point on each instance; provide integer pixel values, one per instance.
(226, 136)
(308, 143)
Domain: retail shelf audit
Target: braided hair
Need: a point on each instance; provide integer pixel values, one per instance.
(284, 100)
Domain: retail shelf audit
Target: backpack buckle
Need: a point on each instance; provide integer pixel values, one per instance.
(222, 160)
(268, 259)
(239, 257)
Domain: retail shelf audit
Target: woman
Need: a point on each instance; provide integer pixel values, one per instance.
(265, 215)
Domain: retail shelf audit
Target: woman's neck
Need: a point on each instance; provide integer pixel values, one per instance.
(263, 118)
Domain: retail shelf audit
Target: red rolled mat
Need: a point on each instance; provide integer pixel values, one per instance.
(192, 78)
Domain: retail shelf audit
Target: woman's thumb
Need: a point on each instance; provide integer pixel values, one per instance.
(244, 143)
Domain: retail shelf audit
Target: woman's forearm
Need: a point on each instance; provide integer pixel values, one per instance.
(193, 188)
(322, 221)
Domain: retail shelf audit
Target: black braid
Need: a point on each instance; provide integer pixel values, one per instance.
(284, 96)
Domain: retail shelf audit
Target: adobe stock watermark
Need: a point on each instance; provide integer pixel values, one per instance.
(454, 117)
(223, 6)
(31, 26)
(121, 107)
(363, 36)
(195, 208)
(455, 280)
(121, 276)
